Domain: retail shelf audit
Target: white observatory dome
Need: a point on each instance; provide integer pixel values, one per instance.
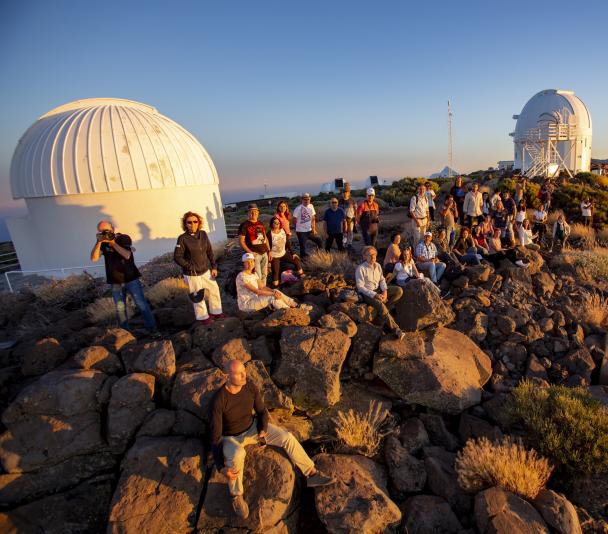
(553, 131)
(104, 145)
(108, 159)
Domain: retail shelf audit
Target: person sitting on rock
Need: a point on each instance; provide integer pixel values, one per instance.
(526, 237)
(465, 249)
(372, 287)
(281, 252)
(253, 295)
(443, 248)
(480, 240)
(405, 269)
(498, 253)
(233, 427)
(393, 253)
(427, 260)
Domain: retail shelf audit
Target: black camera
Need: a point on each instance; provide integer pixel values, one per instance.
(108, 234)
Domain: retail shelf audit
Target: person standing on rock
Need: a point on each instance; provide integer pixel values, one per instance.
(458, 192)
(122, 274)
(233, 427)
(194, 254)
(372, 287)
(419, 213)
(306, 224)
(252, 238)
(368, 217)
(349, 206)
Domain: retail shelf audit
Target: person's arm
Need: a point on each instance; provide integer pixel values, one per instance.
(125, 249)
(382, 285)
(96, 251)
(360, 283)
(215, 418)
(179, 253)
(243, 244)
(295, 215)
(260, 410)
(211, 257)
(313, 222)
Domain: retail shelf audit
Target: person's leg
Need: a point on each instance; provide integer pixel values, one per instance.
(423, 226)
(382, 312)
(212, 292)
(329, 241)
(257, 303)
(373, 237)
(350, 232)
(258, 265)
(233, 448)
(470, 259)
(432, 213)
(440, 269)
(285, 440)
(393, 294)
(200, 308)
(340, 242)
(264, 268)
(432, 270)
(275, 265)
(292, 260)
(302, 243)
(451, 232)
(366, 238)
(119, 294)
(137, 292)
(284, 302)
(315, 239)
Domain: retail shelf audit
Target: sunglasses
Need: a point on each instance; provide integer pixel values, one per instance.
(195, 221)
(334, 202)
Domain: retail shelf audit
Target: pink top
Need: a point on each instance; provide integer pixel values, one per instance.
(392, 254)
(284, 223)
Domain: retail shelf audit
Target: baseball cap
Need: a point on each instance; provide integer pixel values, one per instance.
(253, 206)
(247, 256)
(370, 191)
(428, 233)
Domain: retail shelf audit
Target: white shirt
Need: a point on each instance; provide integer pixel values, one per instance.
(303, 215)
(525, 236)
(369, 279)
(521, 216)
(278, 243)
(420, 206)
(245, 295)
(540, 216)
(586, 209)
(473, 203)
(430, 197)
(403, 272)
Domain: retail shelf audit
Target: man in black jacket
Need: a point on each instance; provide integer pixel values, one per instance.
(233, 427)
(193, 253)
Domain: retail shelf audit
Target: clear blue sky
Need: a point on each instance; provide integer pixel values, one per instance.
(288, 92)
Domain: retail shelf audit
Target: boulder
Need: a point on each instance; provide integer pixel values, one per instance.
(360, 313)
(80, 509)
(53, 419)
(442, 479)
(358, 501)
(269, 481)
(235, 349)
(280, 319)
(192, 391)
(441, 369)
(407, 474)
(114, 339)
(544, 284)
(208, 338)
(413, 435)
(438, 431)
(159, 488)
(99, 358)
(579, 362)
(422, 307)
(182, 342)
(157, 423)
(427, 514)
(500, 511)
(18, 487)
(156, 358)
(273, 397)
(471, 427)
(42, 357)
(558, 512)
(339, 320)
(263, 349)
(363, 346)
(187, 424)
(130, 404)
(478, 274)
(310, 365)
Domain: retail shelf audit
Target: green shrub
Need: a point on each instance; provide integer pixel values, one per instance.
(566, 425)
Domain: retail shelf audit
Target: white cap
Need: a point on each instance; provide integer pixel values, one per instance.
(247, 256)
(370, 191)
(428, 233)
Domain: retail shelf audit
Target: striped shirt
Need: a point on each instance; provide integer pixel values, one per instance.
(428, 252)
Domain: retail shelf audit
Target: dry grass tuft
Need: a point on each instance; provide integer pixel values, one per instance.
(596, 308)
(159, 268)
(362, 432)
(592, 263)
(602, 237)
(165, 290)
(583, 235)
(483, 464)
(103, 311)
(551, 218)
(72, 290)
(334, 262)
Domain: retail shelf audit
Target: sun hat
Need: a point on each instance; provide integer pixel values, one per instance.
(428, 233)
(247, 256)
(253, 206)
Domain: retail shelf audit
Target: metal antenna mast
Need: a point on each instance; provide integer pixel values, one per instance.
(449, 140)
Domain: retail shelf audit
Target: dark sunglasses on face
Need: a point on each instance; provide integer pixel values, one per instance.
(192, 222)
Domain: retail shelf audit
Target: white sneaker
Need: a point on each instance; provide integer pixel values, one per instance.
(520, 263)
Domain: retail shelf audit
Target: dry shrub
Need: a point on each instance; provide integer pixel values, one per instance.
(593, 263)
(103, 311)
(583, 235)
(483, 464)
(159, 268)
(166, 290)
(551, 218)
(602, 237)
(362, 433)
(333, 262)
(71, 291)
(596, 308)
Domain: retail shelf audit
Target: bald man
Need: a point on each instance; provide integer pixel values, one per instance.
(233, 427)
(122, 274)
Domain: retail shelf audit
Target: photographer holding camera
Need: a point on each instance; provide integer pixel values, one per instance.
(122, 274)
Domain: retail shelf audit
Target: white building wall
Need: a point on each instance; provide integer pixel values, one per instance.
(60, 231)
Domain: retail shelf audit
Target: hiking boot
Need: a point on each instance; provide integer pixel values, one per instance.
(240, 506)
(318, 480)
(154, 334)
(205, 322)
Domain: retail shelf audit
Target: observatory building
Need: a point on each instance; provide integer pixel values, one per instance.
(114, 159)
(553, 133)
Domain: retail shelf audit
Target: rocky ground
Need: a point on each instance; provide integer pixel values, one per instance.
(106, 430)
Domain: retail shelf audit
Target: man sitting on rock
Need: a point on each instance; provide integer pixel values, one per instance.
(427, 260)
(372, 287)
(233, 427)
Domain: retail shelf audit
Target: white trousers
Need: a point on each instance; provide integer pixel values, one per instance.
(212, 293)
(259, 302)
(418, 231)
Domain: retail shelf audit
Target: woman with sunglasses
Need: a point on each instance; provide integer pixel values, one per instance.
(281, 252)
(193, 253)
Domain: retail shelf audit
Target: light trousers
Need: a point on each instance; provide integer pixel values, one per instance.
(418, 231)
(212, 293)
(234, 452)
(259, 302)
(261, 266)
(435, 270)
